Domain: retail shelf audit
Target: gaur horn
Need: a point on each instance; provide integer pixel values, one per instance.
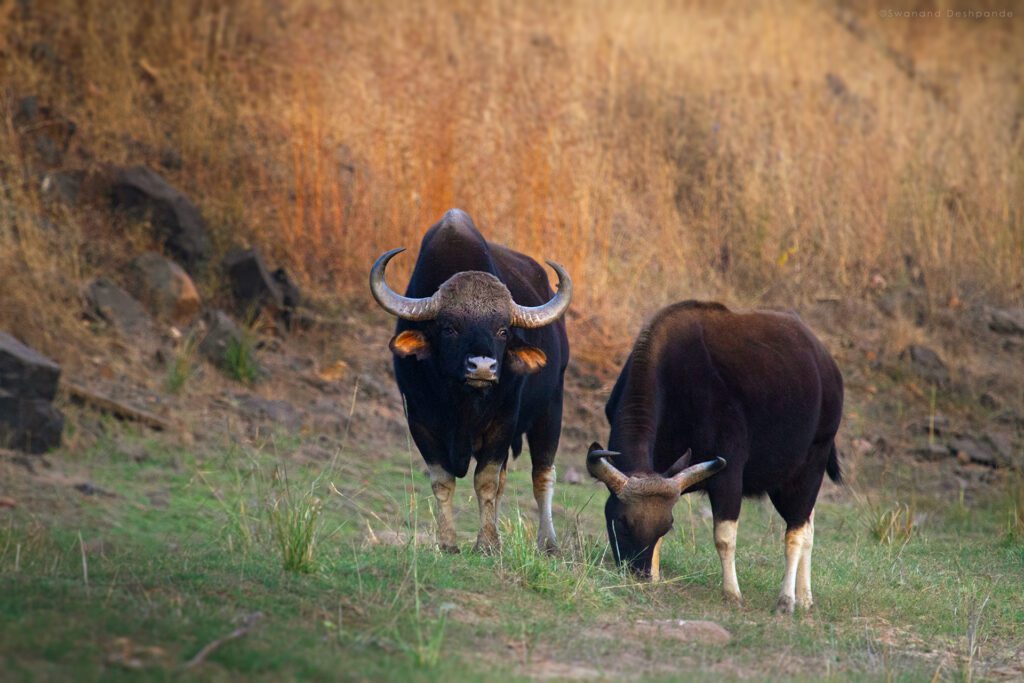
(697, 473)
(394, 303)
(539, 316)
(602, 470)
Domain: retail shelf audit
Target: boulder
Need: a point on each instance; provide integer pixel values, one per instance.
(974, 450)
(1007, 321)
(32, 425)
(164, 288)
(25, 372)
(221, 332)
(251, 282)
(109, 302)
(44, 134)
(925, 363)
(145, 195)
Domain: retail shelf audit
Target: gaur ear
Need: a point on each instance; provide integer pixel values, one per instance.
(680, 464)
(526, 360)
(410, 343)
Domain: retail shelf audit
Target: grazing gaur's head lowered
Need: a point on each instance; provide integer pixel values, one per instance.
(638, 513)
(468, 324)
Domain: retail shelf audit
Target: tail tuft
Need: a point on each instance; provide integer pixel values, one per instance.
(832, 467)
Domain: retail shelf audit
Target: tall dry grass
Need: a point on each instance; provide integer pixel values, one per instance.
(762, 151)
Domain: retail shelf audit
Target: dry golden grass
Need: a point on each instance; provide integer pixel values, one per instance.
(755, 152)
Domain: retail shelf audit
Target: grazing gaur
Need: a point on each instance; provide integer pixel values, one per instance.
(752, 396)
(480, 352)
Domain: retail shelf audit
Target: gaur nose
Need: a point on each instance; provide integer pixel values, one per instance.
(481, 367)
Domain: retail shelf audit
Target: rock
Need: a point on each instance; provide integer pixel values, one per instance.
(990, 401)
(572, 476)
(291, 295)
(144, 194)
(164, 288)
(685, 631)
(65, 186)
(935, 425)
(251, 283)
(221, 332)
(1006, 320)
(1003, 448)
(32, 425)
(974, 450)
(89, 489)
(925, 363)
(281, 413)
(43, 133)
(7, 502)
(109, 302)
(930, 452)
(25, 372)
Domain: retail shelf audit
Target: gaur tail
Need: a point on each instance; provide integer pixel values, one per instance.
(832, 468)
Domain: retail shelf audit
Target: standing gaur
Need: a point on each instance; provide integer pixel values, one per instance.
(480, 352)
(754, 397)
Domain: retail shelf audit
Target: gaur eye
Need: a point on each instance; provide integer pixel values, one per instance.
(449, 331)
(502, 333)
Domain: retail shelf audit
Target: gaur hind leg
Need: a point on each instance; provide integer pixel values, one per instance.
(795, 502)
(543, 440)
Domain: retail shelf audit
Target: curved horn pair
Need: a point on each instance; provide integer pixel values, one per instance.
(600, 468)
(426, 308)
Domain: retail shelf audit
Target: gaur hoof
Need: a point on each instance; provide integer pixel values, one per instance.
(732, 599)
(548, 547)
(784, 605)
(806, 604)
(487, 547)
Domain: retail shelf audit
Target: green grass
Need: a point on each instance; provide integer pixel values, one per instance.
(189, 546)
(240, 362)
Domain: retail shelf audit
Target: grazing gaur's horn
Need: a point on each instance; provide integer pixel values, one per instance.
(602, 470)
(697, 473)
(394, 303)
(539, 316)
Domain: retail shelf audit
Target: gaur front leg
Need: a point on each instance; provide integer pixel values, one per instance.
(442, 483)
(489, 481)
(543, 493)
(725, 543)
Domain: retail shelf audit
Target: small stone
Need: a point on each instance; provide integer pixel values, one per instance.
(930, 452)
(31, 425)
(1007, 321)
(572, 476)
(925, 363)
(686, 631)
(974, 449)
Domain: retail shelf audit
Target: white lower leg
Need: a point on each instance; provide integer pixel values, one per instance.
(486, 481)
(803, 572)
(794, 550)
(442, 483)
(725, 543)
(543, 493)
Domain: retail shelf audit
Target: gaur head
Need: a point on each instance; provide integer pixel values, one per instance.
(469, 325)
(638, 513)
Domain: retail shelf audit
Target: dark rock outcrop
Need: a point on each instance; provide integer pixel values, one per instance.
(145, 195)
(252, 284)
(28, 382)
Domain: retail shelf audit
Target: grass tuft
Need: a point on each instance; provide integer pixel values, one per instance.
(889, 525)
(183, 366)
(296, 523)
(240, 360)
